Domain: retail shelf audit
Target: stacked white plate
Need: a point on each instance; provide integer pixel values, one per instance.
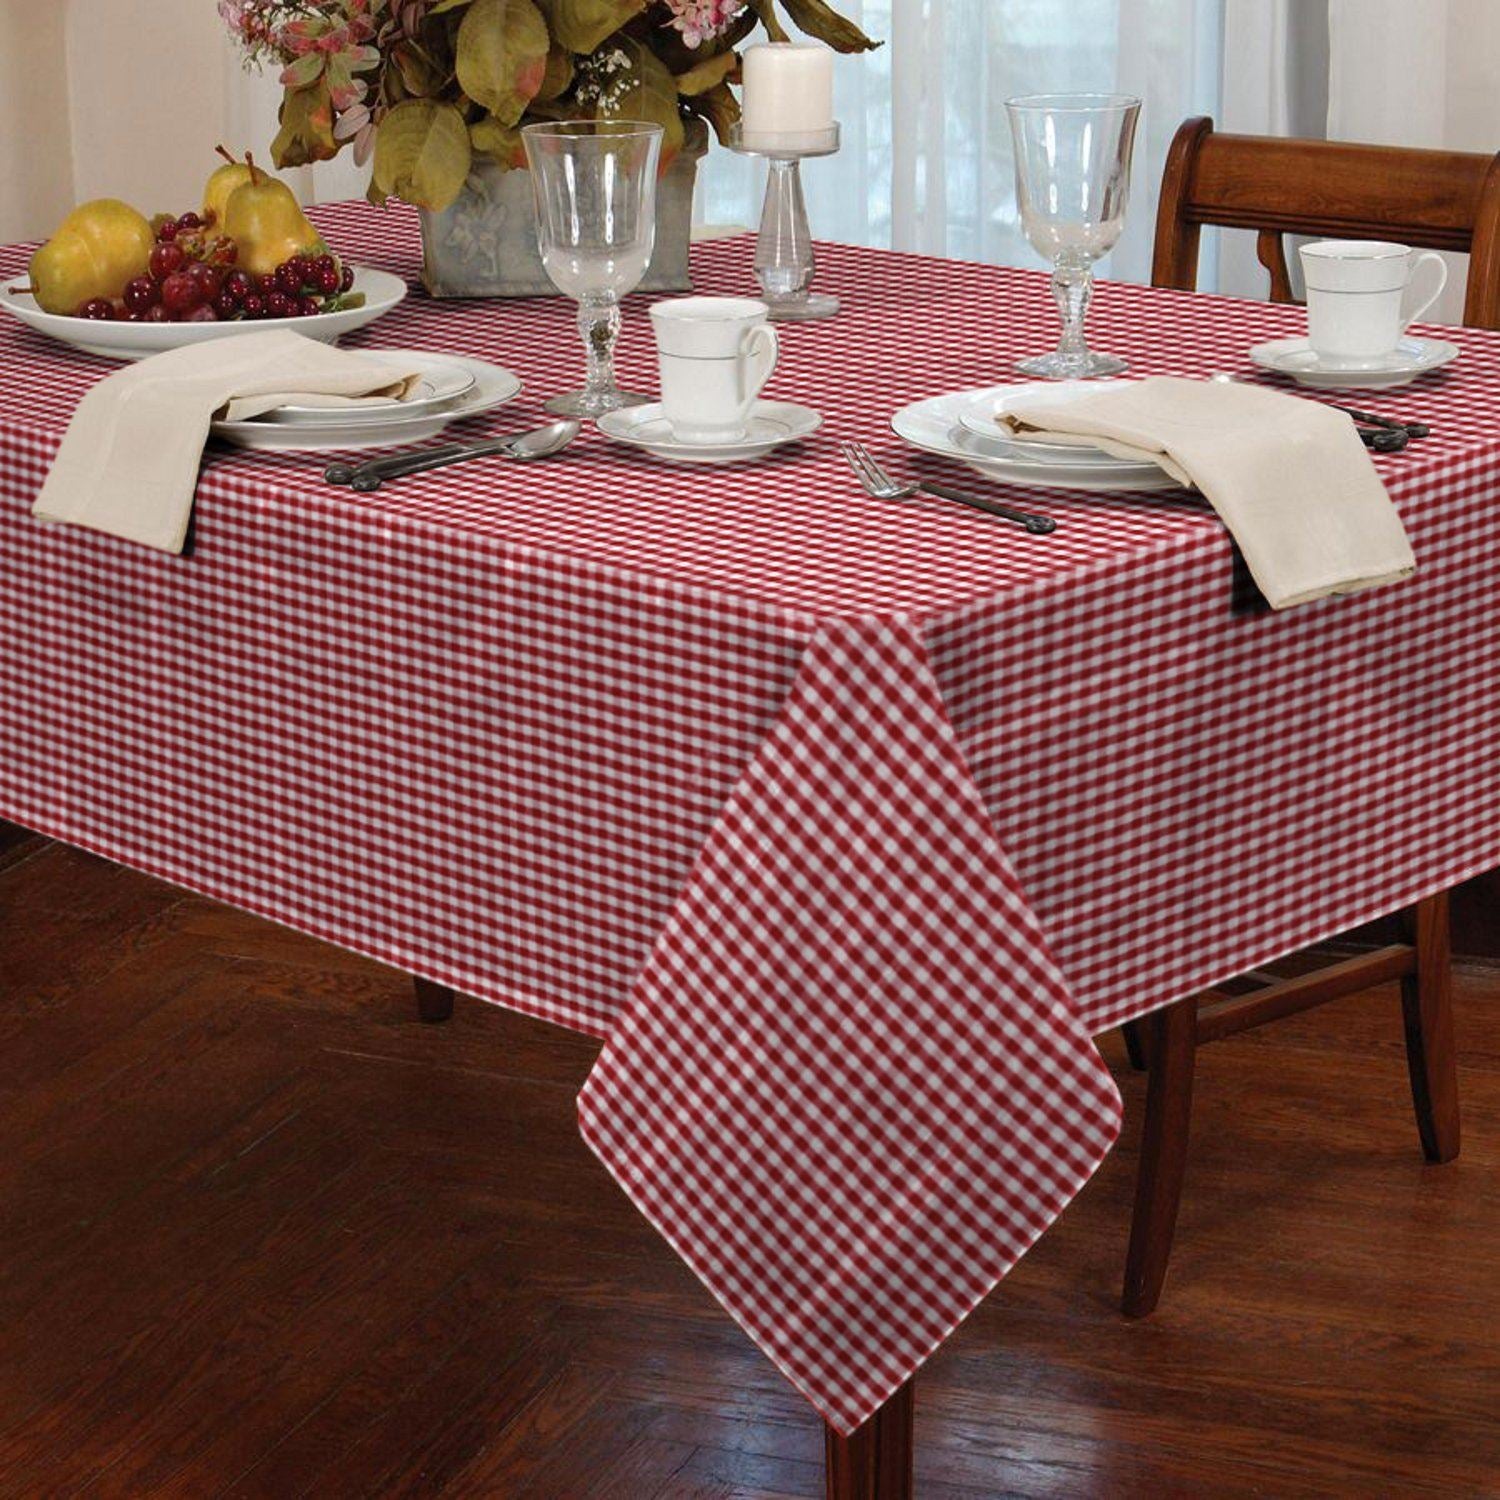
(962, 425)
(449, 388)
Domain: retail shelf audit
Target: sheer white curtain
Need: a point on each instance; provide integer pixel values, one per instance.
(926, 162)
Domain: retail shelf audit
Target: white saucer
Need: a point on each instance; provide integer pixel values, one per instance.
(771, 424)
(1411, 357)
(935, 426)
(492, 387)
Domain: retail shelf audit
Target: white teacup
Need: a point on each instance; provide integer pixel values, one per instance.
(716, 353)
(1357, 297)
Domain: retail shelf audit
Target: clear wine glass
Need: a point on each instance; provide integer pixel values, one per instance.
(595, 186)
(1072, 184)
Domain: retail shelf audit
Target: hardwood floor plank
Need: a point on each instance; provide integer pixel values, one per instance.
(266, 1235)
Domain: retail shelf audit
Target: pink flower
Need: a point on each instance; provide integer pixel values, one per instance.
(698, 20)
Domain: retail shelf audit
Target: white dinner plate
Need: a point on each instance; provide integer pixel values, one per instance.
(1412, 357)
(441, 382)
(382, 292)
(492, 387)
(771, 424)
(933, 426)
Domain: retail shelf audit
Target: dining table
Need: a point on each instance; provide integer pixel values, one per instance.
(845, 824)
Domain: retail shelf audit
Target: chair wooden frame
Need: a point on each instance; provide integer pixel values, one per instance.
(1166, 1043)
(1438, 200)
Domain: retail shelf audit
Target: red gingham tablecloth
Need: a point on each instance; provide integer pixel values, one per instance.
(846, 824)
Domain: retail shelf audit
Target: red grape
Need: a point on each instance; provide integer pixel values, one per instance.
(346, 278)
(141, 293)
(167, 232)
(326, 280)
(239, 285)
(190, 221)
(265, 285)
(180, 293)
(157, 314)
(225, 305)
(207, 277)
(325, 263)
(279, 305)
(254, 305)
(203, 313)
(308, 307)
(166, 258)
(289, 276)
(98, 309)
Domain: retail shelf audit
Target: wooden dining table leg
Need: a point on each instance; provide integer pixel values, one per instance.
(1427, 1010)
(1171, 1052)
(434, 1001)
(874, 1462)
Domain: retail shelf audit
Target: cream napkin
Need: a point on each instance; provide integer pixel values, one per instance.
(1289, 477)
(129, 461)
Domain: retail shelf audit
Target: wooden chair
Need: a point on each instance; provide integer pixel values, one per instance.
(1440, 200)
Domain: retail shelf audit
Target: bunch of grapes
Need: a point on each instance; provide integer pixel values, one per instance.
(193, 278)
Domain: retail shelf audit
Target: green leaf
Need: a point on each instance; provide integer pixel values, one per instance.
(558, 77)
(422, 153)
(766, 10)
(820, 20)
(708, 73)
(720, 108)
(302, 71)
(500, 142)
(418, 76)
(652, 95)
(306, 133)
(502, 55)
(581, 25)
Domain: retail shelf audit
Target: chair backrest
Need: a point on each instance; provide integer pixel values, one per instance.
(1439, 200)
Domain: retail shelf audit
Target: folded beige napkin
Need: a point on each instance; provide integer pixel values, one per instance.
(128, 463)
(1289, 477)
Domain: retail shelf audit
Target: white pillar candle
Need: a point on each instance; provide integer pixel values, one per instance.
(788, 89)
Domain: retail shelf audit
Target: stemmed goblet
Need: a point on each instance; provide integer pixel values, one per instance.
(1072, 184)
(595, 187)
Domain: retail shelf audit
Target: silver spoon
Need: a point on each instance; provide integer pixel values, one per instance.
(539, 443)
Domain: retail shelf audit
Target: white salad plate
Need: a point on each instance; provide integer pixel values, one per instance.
(1412, 357)
(492, 387)
(771, 424)
(936, 426)
(979, 414)
(382, 291)
(441, 382)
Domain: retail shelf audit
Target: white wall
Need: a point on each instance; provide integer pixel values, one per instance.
(1417, 73)
(100, 98)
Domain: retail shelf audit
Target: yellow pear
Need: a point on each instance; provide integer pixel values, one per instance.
(216, 194)
(98, 248)
(263, 217)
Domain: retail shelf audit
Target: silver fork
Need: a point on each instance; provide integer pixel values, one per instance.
(883, 487)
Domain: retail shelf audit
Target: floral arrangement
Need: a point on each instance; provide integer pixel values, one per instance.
(426, 86)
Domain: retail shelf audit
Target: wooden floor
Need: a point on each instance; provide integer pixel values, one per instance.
(262, 1234)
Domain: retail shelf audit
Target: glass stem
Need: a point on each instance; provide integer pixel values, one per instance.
(599, 323)
(1072, 290)
(783, 249)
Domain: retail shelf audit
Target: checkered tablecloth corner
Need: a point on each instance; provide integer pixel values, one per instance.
(843, 822)
(850, 1084)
